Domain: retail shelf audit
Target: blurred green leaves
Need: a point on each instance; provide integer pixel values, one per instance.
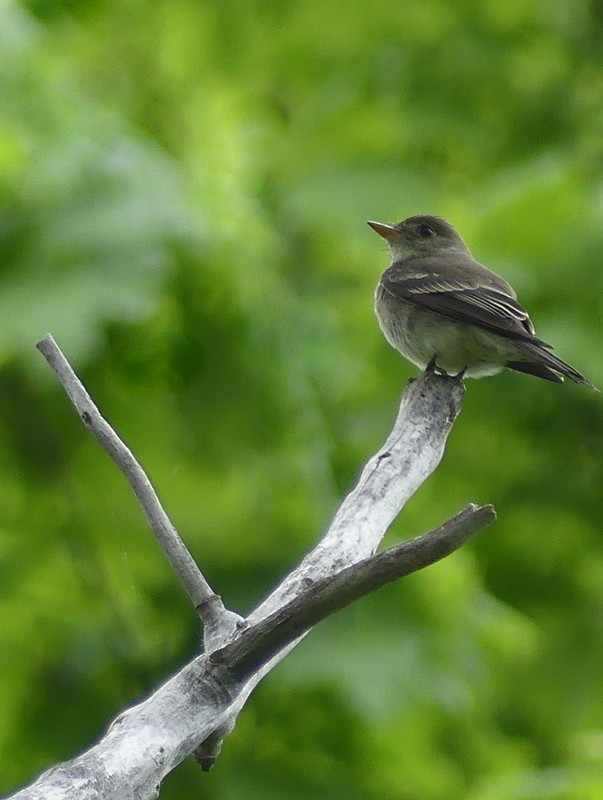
(61, 151)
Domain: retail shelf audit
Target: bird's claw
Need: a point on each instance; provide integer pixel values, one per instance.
(432, 366)
(434, 369)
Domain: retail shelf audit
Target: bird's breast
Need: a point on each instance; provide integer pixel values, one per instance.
(419, 335)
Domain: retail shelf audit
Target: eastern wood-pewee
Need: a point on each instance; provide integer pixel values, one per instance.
(438, 306)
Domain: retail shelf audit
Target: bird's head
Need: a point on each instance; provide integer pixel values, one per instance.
(419, 236)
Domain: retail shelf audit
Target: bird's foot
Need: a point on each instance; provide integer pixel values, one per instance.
(432, 366)
(434, 369)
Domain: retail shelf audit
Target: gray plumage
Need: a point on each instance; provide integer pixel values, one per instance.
(437, 304)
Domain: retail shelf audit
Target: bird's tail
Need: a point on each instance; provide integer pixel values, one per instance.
(545, 364)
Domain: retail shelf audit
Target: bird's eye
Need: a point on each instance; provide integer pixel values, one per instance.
(426, 231)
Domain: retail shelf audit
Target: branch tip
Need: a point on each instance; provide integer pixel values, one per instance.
(172, 545)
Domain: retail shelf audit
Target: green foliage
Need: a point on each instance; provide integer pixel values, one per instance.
(183, 194)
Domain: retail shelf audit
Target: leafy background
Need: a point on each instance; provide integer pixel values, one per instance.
(183, 194)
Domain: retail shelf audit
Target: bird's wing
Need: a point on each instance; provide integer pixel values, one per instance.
(484, 300)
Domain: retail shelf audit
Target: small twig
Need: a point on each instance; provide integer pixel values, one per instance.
(258, 643)
(208, 604)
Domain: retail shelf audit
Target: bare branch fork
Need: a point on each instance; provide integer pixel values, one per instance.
(197, 707)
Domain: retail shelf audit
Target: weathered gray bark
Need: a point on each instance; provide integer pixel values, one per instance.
(195, 708)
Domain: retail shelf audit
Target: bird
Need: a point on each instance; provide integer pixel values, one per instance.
(443, 310)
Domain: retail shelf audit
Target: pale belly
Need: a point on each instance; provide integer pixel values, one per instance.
(419, 335)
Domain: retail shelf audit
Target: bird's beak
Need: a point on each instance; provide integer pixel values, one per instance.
(386, 231)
